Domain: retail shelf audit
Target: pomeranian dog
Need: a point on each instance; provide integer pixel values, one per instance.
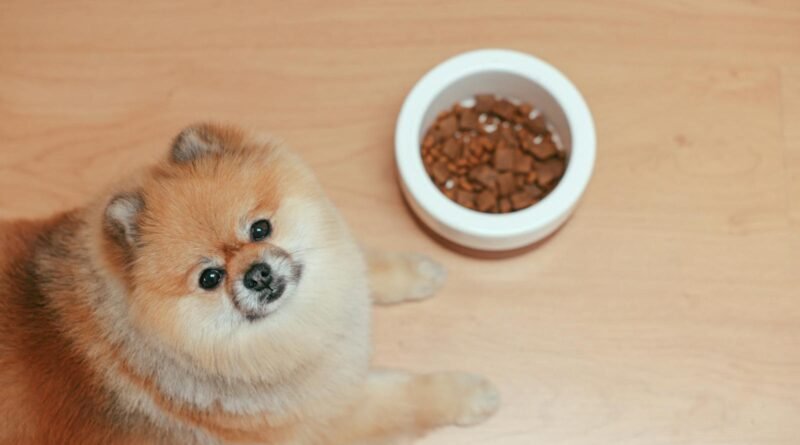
(214, 298)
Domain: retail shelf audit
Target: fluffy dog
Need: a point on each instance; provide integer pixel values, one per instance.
(216, 297)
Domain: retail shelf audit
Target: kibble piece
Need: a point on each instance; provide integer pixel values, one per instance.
(534, 191)
(504, 159)
(520, 200)
(549, 171)
(440, 172)
(485, 142)
(531, 177)
(464, 184)
(465, 198)
(504, 109)
(469, 120)
(428, 141)
(448, 125)
(546, 149)
(484, 103)
(475, 147)
(452, 149)
(522, 162)
(504, 205)
(484, 175)
(536, 125)
(486, 201)
(505, 183)
(524, 109)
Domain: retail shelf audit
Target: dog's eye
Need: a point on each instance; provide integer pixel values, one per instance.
(260, 230)
(210, 278)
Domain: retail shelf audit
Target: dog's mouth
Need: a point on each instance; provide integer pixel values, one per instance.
(273, 291)
(257, 302)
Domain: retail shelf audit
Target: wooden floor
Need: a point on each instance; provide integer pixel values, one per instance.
(667, 311)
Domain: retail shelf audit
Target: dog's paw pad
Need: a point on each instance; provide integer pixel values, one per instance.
(480, 400)
(429, 276)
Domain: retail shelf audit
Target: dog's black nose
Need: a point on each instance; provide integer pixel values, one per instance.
(258, 278)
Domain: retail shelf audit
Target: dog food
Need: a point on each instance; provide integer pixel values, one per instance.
(493, 155)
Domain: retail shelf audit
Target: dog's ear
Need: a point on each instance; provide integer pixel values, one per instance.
(122, 219)
(195, 142)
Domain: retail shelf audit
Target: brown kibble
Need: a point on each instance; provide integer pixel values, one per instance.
(537, 126)
(504, 159)
(520, 200)
(469, 120)
(484, 175)
(440, 172)
(546, 149)
(475, 147)
(486, 201)
(428, 141)
(465, 198)
(484, 103)
(448, 125)
(509, 136)
(486, 143)
(452, 149)
(502, 145)
(504, 109)
(509, 169)
(549, 171)
(522, 162)
(534, 191)
(464, 184)
(493, 137)
(505, 183)
(504, 205)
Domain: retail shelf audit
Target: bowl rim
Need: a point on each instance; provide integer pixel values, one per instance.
(554, 206)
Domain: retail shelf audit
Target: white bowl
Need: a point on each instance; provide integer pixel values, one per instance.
(508, 74)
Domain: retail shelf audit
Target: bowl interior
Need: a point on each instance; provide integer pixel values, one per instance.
(503, 84)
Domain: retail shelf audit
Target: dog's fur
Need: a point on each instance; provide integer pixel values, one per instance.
(107, 338)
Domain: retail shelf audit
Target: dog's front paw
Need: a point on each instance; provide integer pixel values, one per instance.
(464, 399)
(426, 276)
(399, 277)
(480, 399)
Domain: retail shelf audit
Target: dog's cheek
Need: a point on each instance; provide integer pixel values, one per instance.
(158, 317)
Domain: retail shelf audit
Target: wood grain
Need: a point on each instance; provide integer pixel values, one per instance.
(665, 312)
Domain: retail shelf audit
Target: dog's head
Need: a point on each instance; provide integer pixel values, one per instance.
(229, 248)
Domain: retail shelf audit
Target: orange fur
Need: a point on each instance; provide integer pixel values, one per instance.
(106, 336)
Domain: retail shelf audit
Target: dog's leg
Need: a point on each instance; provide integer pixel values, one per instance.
(397, 277)
(397, 407)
